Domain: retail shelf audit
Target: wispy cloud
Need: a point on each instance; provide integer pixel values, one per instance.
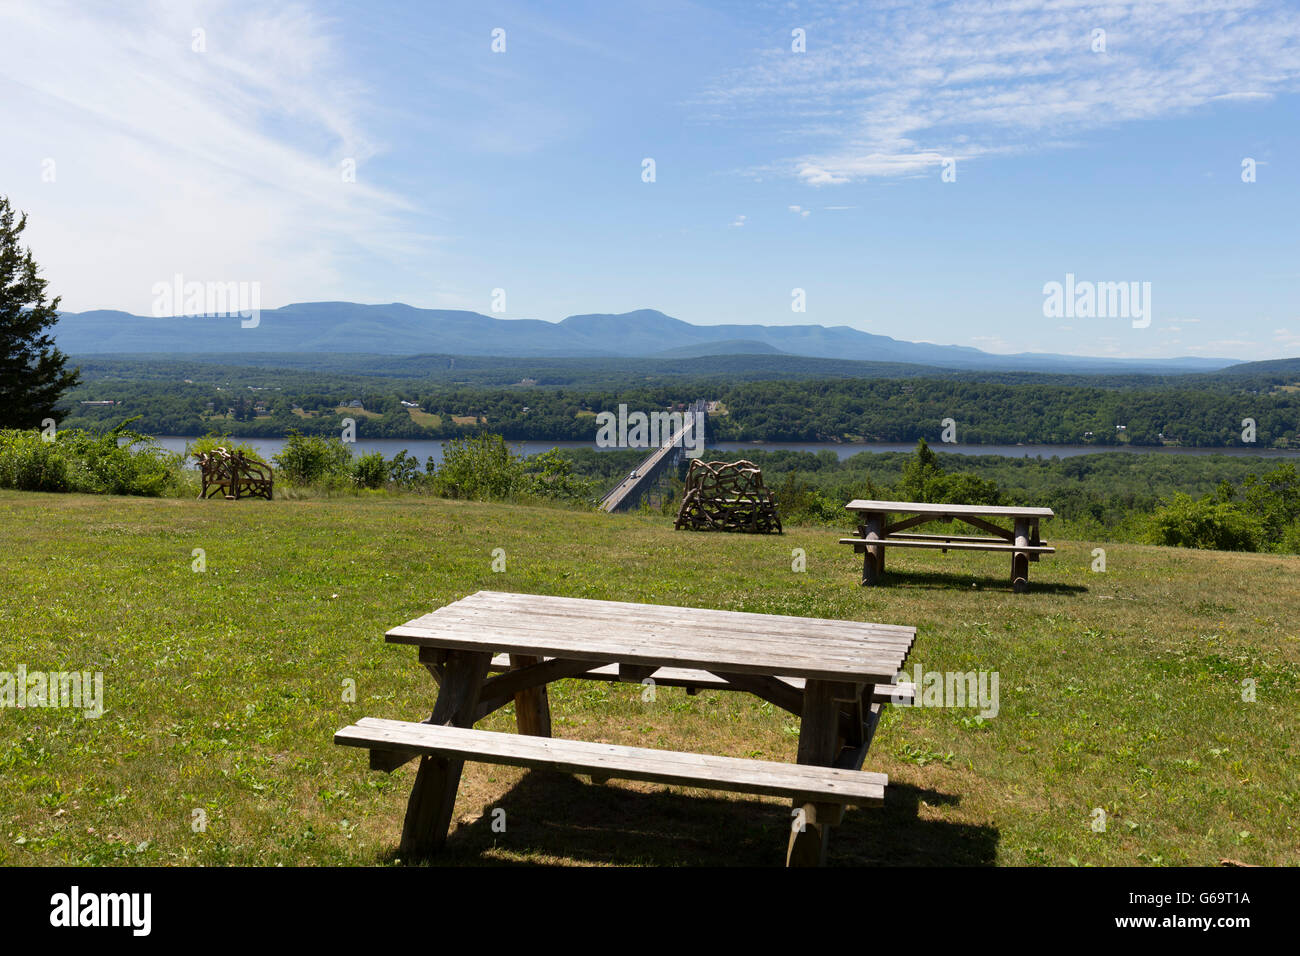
(890, 89)
(219, 154)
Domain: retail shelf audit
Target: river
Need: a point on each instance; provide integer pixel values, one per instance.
(423, 449)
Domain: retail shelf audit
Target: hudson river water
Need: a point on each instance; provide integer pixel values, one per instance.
(422, 449)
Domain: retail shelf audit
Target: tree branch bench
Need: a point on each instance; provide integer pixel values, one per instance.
(233, 476)
(876, 533)
(492, 649)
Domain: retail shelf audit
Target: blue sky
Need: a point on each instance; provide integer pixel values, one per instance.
(139, 156)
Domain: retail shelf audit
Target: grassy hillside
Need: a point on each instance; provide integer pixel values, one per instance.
(1119, 690)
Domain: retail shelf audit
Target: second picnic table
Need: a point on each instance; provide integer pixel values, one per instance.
(880, 527)
(835, 675)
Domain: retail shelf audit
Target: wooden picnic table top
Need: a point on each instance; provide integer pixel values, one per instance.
(664, 635)
(921, 507)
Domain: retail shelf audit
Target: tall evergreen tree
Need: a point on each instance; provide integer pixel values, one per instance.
(32, 373)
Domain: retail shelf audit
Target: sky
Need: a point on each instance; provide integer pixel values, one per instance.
(920, 170)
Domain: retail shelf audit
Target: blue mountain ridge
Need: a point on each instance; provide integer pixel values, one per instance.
(399, 329)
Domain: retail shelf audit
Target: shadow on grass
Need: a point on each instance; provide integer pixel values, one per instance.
(557, 818)
(941, 579)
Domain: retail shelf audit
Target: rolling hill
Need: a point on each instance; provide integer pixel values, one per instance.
(398, 329)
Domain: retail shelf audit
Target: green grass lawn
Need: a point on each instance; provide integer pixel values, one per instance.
(1119, 690)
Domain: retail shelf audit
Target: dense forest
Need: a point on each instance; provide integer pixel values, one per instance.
(1194, 410)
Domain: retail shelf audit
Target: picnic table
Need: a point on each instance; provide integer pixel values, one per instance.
(493, 648)
(878, 530)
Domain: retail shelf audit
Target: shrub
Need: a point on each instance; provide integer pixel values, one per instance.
(797, 502)
(550, 475)
(116, 462)
(30, 463)
(312, 459)
(404, 470)
(1205, 523)
(481, 468)
(370, 471)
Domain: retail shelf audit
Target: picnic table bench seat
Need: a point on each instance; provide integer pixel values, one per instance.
(612, 761)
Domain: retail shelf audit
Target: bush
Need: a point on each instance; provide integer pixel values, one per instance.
(797, 502)
(370, 471)
(550, 475)
(404, 470)
(1205, 523)
(481, 468)
(117, 462)
(29, 463)
(312, 459)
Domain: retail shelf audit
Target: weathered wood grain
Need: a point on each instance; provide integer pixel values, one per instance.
(828, 784)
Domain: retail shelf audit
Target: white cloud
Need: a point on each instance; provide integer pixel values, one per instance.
(223, 165)
(738, 222)
(800, 211)
(893, 88)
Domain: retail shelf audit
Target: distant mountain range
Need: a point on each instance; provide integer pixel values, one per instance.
(397, 329)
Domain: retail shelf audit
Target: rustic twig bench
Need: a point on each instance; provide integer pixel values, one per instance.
(491, 649)
(233, 475)
(727, 496)
(876, 533)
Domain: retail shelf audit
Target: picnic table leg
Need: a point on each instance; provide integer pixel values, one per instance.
(1020, 559)
(819, 745)
(428, 812)
(532, 707)
(873, 555)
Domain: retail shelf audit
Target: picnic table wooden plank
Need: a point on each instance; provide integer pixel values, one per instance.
(542, 620)
(853, 787)
(584, 629)
(688, 677)
(542, 603)
(950, 545)
(793, 663)
(938, 508)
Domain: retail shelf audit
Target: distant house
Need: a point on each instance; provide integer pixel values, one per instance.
(354, 404)
(99, 404)
(1121, 428)
(415, 405)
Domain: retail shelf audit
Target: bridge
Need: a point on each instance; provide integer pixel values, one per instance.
(629, 492)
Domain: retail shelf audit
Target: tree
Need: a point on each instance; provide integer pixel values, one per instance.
(921, 468)
(32, 373)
